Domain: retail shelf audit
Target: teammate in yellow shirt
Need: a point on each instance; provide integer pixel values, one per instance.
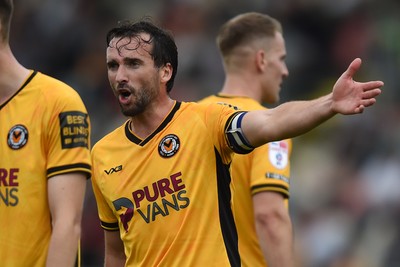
(161, 180)
(44, 162)
(253, 52)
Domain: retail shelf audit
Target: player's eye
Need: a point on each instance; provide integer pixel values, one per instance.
(112, 65)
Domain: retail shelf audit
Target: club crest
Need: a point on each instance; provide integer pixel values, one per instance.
(169, 146)
(17, 137)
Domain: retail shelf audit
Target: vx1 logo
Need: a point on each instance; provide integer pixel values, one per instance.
(112, 170)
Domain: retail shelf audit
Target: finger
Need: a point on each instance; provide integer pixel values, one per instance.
(368, 102)
(359, 109)
(371, 93)
(371, 85)
(353, 68)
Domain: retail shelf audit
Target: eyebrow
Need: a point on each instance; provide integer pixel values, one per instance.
(129, 60)
(126, 60)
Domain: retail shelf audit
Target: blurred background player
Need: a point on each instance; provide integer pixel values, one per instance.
(44, 162)
(253, 52)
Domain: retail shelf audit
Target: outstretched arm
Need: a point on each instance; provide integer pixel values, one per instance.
(298, 117)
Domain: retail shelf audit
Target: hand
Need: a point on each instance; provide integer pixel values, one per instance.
(351, 97)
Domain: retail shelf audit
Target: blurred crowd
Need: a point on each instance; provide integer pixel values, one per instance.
(345, 199)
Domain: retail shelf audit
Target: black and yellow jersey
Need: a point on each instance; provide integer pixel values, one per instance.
(44, 130)
(168, 194)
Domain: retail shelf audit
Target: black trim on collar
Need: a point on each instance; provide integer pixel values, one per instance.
(133, 138)
(19, 90)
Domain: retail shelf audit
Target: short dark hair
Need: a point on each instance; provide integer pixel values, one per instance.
(164, 48)
(245, 28)
(6, 11)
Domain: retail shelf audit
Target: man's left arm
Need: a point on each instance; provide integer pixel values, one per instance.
(65, 195)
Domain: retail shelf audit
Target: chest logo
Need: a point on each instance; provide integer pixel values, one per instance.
(17, 136)
(169, 146)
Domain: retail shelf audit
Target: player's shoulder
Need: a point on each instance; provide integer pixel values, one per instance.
(46, 80)
(113, 137)
(195, 106)
(205, 108)
(52, 87)
(206, 114)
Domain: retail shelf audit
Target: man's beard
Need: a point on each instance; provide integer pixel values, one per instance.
(141, 100)
(132, 111)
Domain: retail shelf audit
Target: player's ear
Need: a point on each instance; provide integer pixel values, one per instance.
(166, 72)
(261, 60)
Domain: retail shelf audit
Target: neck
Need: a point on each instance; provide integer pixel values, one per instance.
(12, 74)
(147, 122)
(240, 85)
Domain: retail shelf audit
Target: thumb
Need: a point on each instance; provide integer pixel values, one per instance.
(353, 68)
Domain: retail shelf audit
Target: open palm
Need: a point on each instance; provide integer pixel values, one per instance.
(351, 97)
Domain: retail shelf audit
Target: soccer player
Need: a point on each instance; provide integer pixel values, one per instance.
(44, 162)
(161, 180)
(253, 52)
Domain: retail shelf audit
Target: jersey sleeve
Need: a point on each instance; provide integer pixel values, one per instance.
(108, 221)
(270, 170)
(68, 132)
(224, 123)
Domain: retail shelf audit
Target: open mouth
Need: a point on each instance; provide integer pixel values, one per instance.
(124, 95)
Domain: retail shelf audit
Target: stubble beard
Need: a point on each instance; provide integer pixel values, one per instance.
(141, 99)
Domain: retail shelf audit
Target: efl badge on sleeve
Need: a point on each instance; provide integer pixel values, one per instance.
(279, 154)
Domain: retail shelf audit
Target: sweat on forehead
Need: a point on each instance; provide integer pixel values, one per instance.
(133, 42)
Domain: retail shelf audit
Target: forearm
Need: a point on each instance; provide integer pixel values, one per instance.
(63, 245)
(66, 193)
(276, 241)
(287, 120)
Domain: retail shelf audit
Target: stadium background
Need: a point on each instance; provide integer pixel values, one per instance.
(345, 200)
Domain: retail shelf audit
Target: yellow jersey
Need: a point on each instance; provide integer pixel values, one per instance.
(168, 195)
(44, 131)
